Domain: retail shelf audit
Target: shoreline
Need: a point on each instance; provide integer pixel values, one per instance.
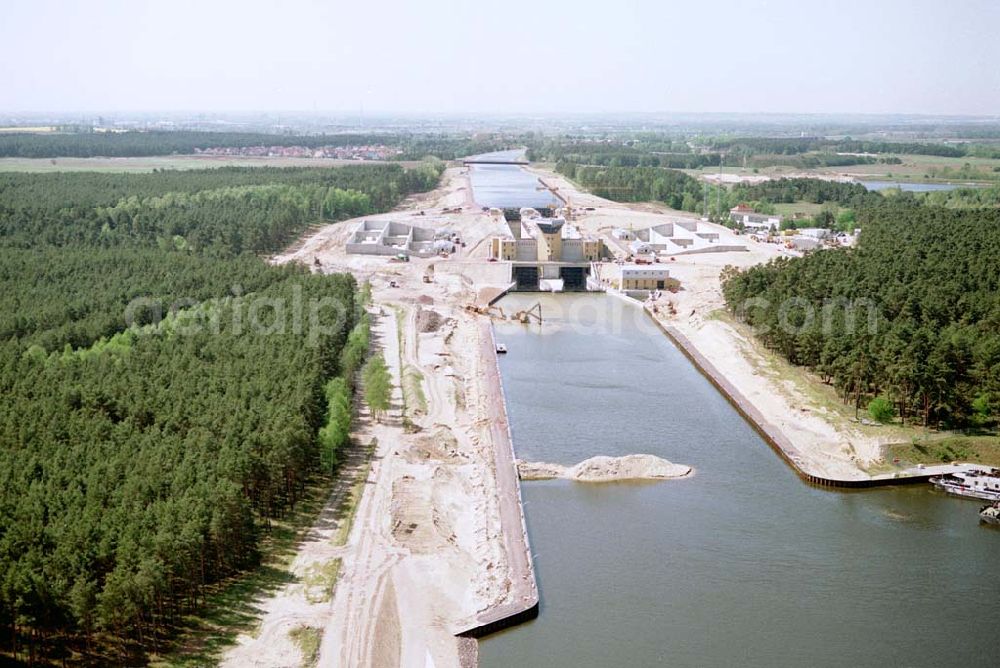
(778, 441)
(523, 600)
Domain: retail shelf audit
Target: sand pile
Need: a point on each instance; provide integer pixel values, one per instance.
(428, 321)
(606, 469)
(440, 445)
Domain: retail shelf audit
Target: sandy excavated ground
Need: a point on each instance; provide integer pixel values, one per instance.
(425, 553)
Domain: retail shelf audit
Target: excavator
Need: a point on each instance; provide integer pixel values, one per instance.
(524, 317)
(492, 311)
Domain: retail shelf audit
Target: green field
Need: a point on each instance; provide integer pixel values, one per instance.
(919, 168)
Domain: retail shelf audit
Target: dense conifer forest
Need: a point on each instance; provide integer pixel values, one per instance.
(912, 315)
(158, 403)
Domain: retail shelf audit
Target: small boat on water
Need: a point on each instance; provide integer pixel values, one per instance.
(990, 514)
(972, 483)
(501, 349)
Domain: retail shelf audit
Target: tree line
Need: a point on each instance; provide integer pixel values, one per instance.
(139, 143)
(816, 191)
(657, 150)
(623, 153)
(683, 192)
(217, 219)
(798, 145)
(384, 184)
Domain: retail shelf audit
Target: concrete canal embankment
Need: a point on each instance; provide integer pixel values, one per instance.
(776, 439)
(521, 603)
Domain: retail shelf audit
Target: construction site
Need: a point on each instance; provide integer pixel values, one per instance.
(437, 554)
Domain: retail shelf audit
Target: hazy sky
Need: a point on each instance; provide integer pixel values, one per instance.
(871, 56)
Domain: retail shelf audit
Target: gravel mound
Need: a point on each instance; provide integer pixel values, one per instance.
(606, 469)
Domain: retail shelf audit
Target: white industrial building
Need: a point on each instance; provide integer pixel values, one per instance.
(679, 237)
(635, 280)
(383, 237)
(753, 221)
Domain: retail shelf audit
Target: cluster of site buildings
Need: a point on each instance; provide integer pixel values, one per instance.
(550, 253)
(392, 238)
(768, 228)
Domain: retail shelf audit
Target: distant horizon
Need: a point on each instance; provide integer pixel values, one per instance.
(473, 114)
(911, 57)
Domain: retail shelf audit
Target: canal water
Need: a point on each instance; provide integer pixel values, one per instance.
(508, 186)
(742, 564)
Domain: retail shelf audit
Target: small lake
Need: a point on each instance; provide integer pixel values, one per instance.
(742, 564)
(508, 186)
(915, 187)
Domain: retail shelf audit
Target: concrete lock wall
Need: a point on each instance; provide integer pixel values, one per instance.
(527, 250)
(372, 249)
(773, 437)
(550, 271)
(572, 250)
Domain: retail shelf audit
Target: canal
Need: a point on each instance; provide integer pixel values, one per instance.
(508, 186)
(742, 564)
